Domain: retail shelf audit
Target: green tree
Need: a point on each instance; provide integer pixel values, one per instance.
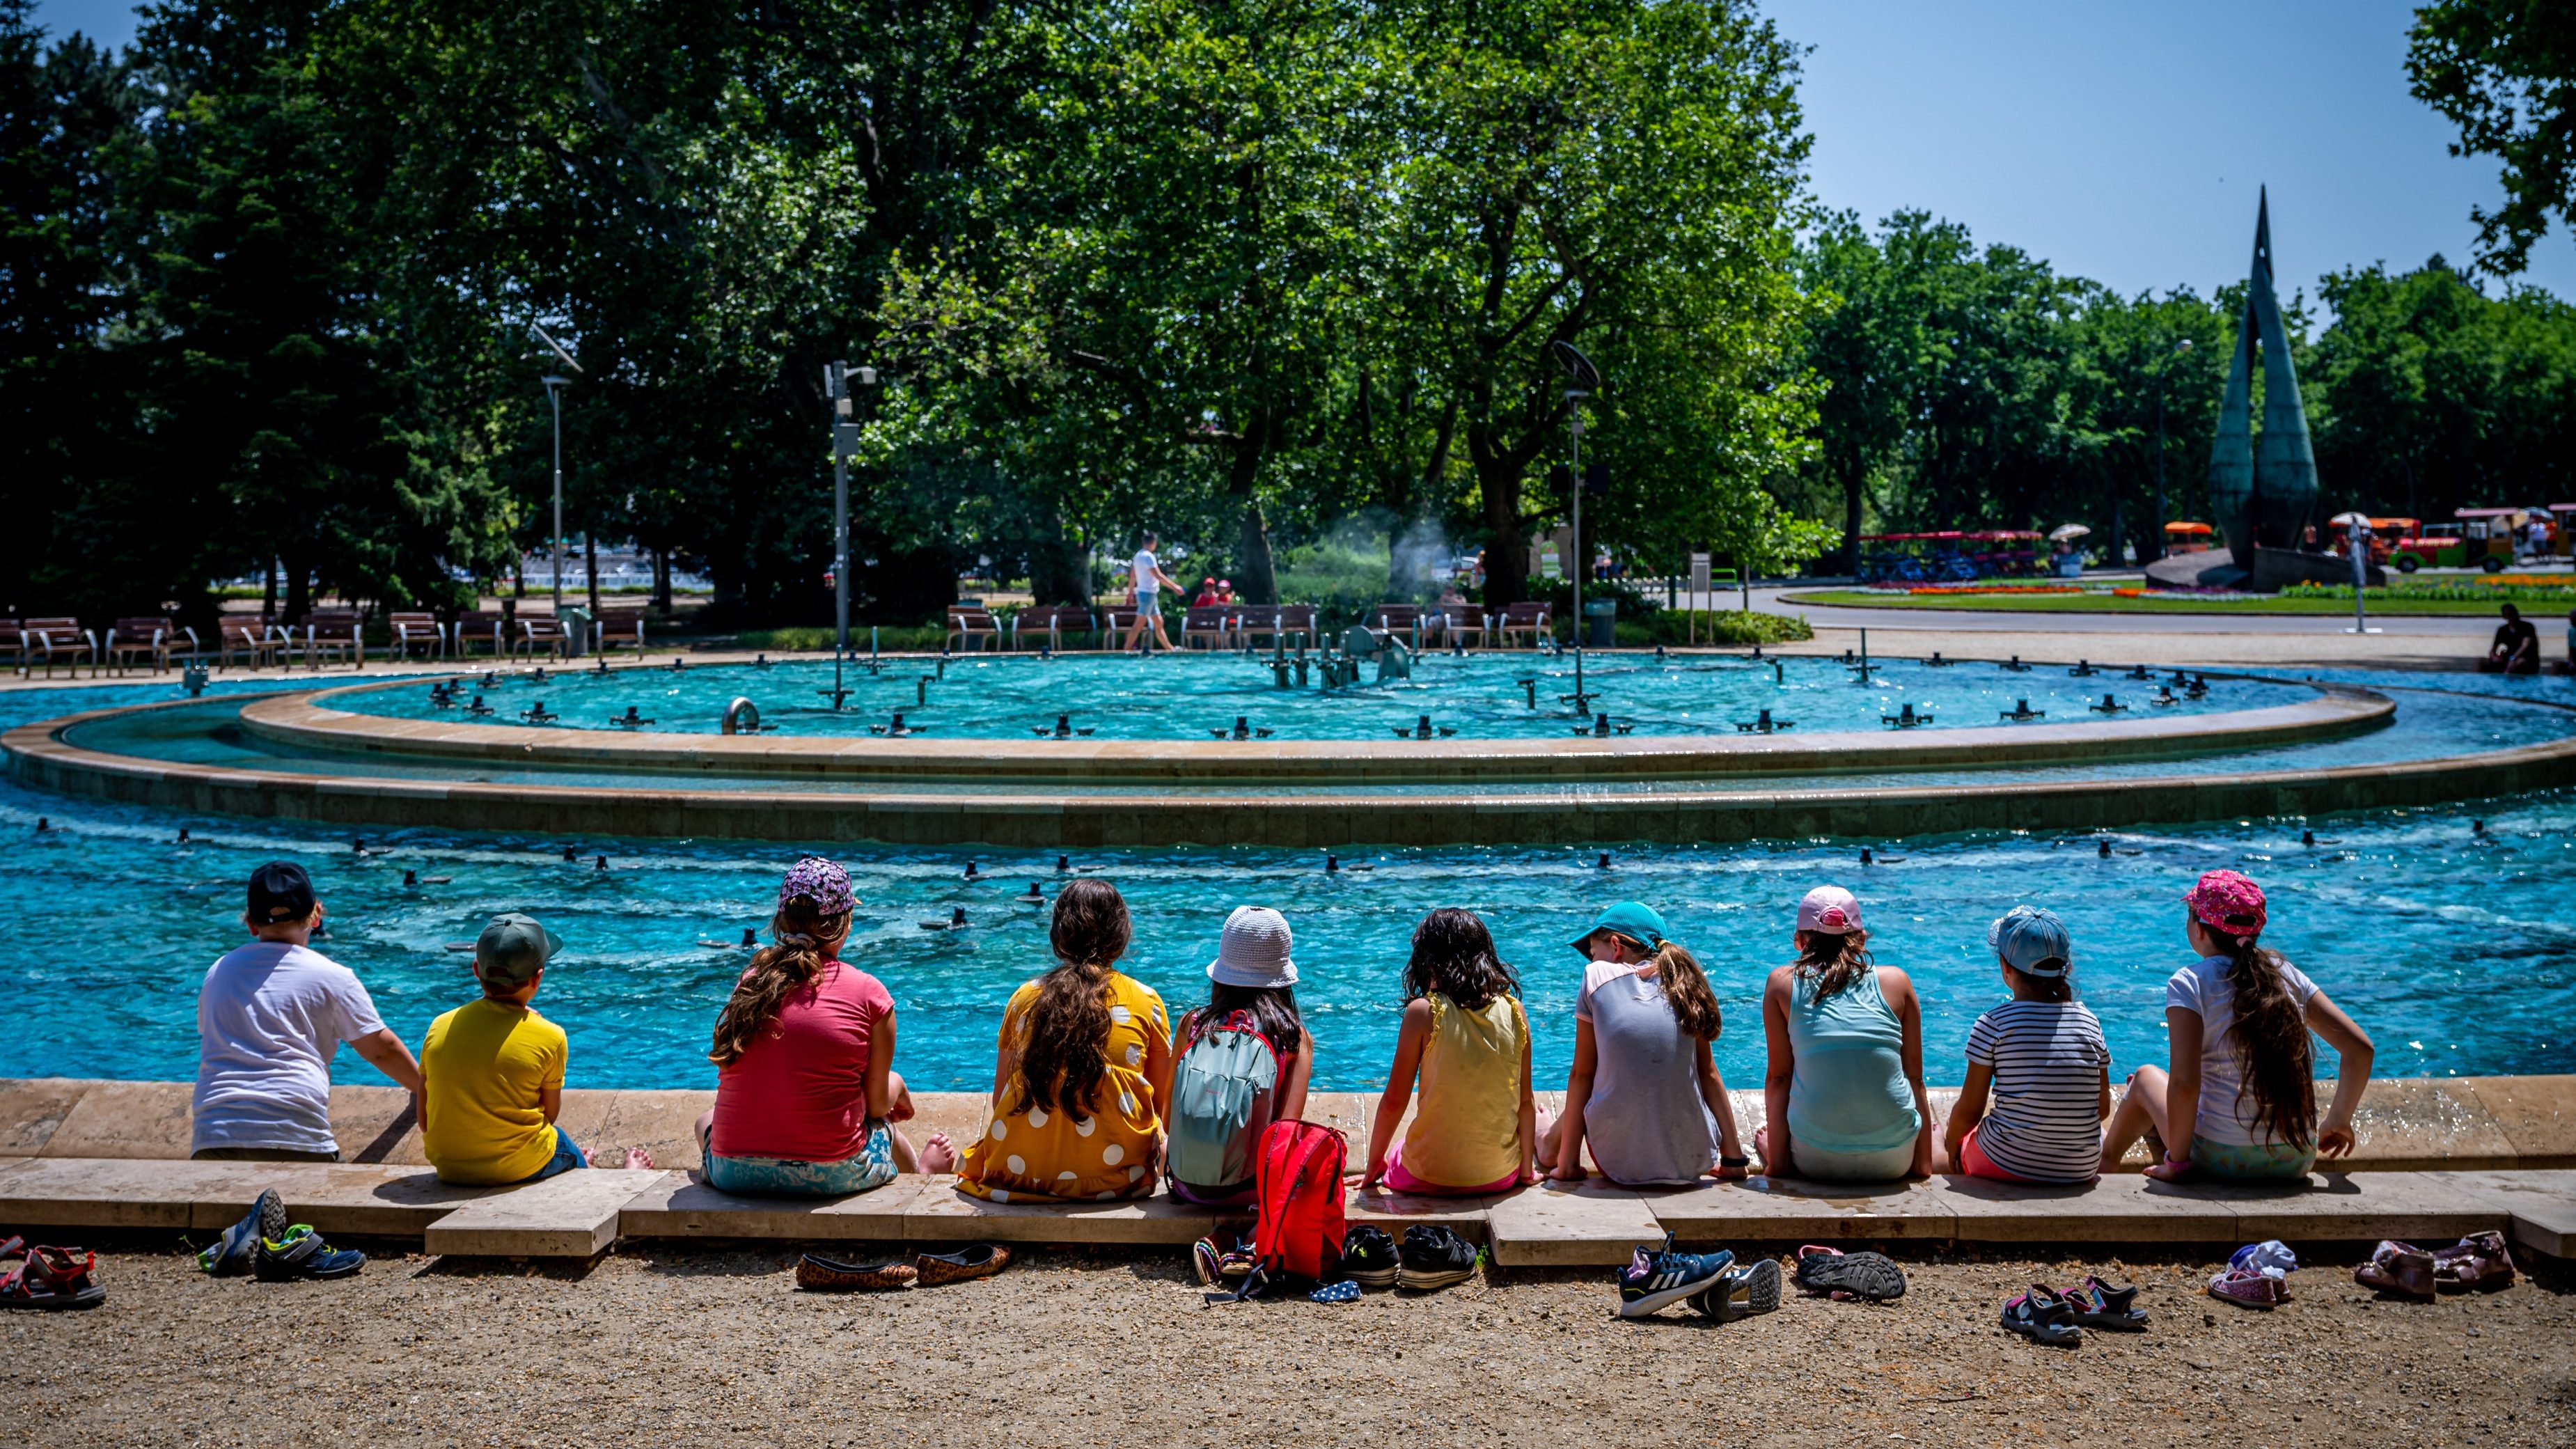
(2504, 72)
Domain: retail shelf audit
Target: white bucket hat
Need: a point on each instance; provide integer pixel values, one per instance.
(1254, 950)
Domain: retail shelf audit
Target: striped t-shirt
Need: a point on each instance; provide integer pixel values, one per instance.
(2048, 1059)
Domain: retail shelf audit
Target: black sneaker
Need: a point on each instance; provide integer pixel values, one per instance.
(1368, 1256)
(1434, 1257)
(1747, 1289)
(231, 1254)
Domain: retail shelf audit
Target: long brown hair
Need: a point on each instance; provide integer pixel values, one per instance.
(1066, 1051)
(1453, 954)
(1686, 990)
(1833, 963)
(2275, 1061)
(803, 942)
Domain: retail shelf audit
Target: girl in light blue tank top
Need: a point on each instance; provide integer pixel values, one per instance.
(1846, 1053)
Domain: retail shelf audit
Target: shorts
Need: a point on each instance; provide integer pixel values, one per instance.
(261, 1154)
(1975, 1163)
(568, 1155)
(871, 1167)
(1240, 1195)
(1399, 1180)
(1824, 1164)
(2254, 1162)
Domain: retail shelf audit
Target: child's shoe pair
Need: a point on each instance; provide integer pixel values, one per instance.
(265, 1245)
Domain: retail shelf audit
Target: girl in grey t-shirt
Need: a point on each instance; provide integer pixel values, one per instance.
(1644, 1093)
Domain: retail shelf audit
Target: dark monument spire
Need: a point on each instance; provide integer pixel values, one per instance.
(2262, 496)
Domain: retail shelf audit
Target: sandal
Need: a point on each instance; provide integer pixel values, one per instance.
(2247, 1288)
(52, 1278)
(2399, 1268)
(1758, 1281)
(2041, 1316)
(2099, 1305)
(818, 1274)
(2478, 1262)
(1845, 1276)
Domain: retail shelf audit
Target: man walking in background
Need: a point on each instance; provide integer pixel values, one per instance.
(1150, 581)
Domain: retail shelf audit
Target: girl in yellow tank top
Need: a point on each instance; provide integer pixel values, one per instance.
(1467, 1040)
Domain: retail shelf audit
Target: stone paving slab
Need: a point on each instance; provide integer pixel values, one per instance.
(211, 1196)
(1469, 1217)
(941, 1214)
(2537, 1115)
(680, 1206)
(2543, 1205)
(1782, 1208)
(572, 1215)
(1570, 1225)
(31, 1111)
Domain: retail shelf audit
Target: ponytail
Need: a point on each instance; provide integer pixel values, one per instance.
(803, 943)
(1686, 990)
(2274, 1058)
(1832, 963)
(1065, 1053)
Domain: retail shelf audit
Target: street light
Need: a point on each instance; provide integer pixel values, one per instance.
(555, 382)
(1582, 379)
(837, 377)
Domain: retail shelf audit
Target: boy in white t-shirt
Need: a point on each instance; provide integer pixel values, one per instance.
(270, 1017)
(1146, 573)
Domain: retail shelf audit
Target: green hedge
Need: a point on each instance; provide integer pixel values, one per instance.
(2462, 592)
(1724, 626)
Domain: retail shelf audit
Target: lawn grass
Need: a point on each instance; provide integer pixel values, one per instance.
(2147, 604)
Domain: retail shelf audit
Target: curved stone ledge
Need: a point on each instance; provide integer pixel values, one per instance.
(1059, 819)
(306, 721)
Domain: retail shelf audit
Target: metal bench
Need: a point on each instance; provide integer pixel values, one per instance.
(254, 635)
(409, 629)
(1054, 621)
(1213, 623)
(484, 627)
(542, 631)
(336, 633)
(972, 624)
(1532, 619)
(619, 628)
(1464, 625)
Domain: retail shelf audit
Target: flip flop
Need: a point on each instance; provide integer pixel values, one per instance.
(2041, 1316)
(1873, 1276)
(2099, 1305)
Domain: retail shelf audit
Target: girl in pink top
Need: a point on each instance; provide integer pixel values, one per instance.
(806, 1094)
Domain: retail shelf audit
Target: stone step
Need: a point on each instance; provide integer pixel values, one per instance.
(202, 1197)
(570, 1215)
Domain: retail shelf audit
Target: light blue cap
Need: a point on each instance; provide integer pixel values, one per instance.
(2032, 941)
(1630, 919)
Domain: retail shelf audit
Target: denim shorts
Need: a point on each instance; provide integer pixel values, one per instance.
(568, 1155)
(2260, 1162)
(872, 1166)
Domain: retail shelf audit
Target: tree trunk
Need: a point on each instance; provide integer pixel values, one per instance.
(662, 580)
(590, 566)
(268, 600)
(1506, 540)
(1257, 581)
(1851, 520)
(299, 588)
(1059, 569)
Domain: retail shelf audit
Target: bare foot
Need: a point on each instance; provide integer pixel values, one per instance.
(637, 1157)
(938, 1154)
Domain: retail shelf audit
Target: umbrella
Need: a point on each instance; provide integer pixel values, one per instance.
(2065, 531)
(2350, 520)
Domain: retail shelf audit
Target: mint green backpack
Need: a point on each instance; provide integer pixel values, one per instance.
(1224, 1091)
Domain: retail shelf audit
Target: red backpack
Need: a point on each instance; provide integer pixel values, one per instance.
(1299, 1188)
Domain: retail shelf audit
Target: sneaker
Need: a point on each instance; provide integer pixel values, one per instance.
(301, 1253)
(1434, 1257)
(1368, 1256)
(2246, 1287)
(1663, 1276)
(230, 1255)
(1743, 1291)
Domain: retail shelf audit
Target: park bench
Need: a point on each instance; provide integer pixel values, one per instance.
(1531, 619)
(1463, 624)
(255, 636)
(409, 629)
(336, 633)
(1280, 625)
(619, 628)
(1213, 623)
(59, 639)
(149, 638)
(487, 628)
(13, 642)
(972, 623)
(1053, 622)
(543, 631)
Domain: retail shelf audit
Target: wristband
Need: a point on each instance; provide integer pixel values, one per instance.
(1725, 1161)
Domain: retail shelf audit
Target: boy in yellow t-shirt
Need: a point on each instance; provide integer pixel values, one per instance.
(495, 1069)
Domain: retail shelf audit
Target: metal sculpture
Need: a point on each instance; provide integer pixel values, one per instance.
(2262, 495)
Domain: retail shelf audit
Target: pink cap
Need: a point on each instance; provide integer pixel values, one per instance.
(1829, 909)
(2229, 902)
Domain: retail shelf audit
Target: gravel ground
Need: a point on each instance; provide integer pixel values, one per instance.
(708, 1346)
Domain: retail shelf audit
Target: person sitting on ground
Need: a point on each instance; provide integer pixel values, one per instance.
(2240, 1098)
(1466, 1038)
(1845, 1083)
(806, 1092)
(2516, 649)
(270, 1017)
(1080, 1075)
(1643, 1093)
(493, 1071)
(1248, 1035)
(2042, 1057)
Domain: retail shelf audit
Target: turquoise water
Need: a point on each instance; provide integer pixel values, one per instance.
(1192, 696)
(2455, 950)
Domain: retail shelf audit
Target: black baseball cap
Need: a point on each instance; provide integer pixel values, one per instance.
(280, 892)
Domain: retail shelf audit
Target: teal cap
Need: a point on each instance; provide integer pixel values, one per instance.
(1630, 919)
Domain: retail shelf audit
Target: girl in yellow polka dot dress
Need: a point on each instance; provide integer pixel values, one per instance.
(1085, 1065)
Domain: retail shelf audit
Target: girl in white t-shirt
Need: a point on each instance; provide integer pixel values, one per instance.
(2240, 1100)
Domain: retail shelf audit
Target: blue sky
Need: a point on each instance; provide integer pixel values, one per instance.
(2121, 142)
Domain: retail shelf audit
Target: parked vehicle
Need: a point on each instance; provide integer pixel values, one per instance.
(2483, 538)
(2384, 533)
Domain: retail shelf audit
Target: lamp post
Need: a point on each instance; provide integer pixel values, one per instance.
(1581, 378)
(845, 445)
(555, 383)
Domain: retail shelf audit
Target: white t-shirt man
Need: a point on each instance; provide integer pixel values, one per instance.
(1147, 571)
(269, 1019)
